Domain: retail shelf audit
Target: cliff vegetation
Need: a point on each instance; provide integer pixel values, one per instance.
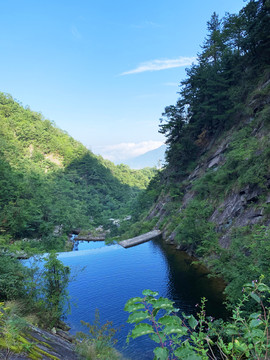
(212, 198)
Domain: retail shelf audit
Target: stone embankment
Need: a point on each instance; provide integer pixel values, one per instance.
(90, 237)
(140, 239)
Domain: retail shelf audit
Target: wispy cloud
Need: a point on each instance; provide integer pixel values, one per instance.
(156, 65)
(124, 151)
(75, 33)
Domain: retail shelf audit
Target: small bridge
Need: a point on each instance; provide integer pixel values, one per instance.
(140, 239)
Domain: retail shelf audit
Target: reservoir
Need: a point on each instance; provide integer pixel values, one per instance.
(105, 277)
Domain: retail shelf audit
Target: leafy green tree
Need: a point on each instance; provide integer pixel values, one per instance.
(12, 276)
(55, 278)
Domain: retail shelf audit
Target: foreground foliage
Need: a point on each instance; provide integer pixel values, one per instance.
(246, 336)
(98, 341)
(36, 295)
(40, 289)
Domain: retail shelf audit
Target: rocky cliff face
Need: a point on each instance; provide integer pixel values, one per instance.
(232, 174)
(44, 345)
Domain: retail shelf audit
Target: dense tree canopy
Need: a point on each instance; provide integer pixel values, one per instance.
(222, 115)
(51, 184)
(235, 52)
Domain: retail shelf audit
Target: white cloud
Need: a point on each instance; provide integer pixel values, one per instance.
(124, 151)
(75, 32)
(156, 65)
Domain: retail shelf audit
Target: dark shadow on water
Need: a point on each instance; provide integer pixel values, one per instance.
(188, 282)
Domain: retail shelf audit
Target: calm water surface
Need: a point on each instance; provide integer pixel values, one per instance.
(107, 276)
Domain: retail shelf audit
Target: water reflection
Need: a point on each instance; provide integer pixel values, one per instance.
(189, 282)
(112, 275)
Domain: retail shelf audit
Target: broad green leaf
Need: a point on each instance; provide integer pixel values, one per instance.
(249, 285)
(134, 300)
(240, 346)
(157, 338)
(133, 307)
(192, 322)
(262, 287)
(148, 292)
(161, 353)
(168, 320)
(163, 303)
(151, 300)
(184, 353)
(255, 297)
(231, 330)
(255, 322)
(141, 329)
(172, 329)
(257, 333)
(254, 315)
(138, 316)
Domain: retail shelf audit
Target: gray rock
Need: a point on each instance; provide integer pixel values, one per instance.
(49, 344)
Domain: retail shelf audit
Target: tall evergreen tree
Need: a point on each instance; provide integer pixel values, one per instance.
(214, 44)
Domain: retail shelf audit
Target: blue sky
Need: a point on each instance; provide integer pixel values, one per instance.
(102, 70)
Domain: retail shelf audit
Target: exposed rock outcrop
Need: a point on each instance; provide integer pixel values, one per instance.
(46, 346)
(236, 207)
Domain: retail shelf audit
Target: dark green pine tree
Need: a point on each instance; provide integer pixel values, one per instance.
(235, 51)
(256, 34)
(214, 46)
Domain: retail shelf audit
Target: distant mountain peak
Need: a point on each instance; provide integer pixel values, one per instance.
(151, 158)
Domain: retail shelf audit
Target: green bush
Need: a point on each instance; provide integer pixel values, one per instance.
(98, 342)
(248, 256)
(194, 230)
(246, 336)
(12, 276)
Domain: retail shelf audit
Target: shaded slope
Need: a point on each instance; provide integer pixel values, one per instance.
(50, 183)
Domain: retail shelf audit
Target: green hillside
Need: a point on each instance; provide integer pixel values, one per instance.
(51, 184)
(213, 197)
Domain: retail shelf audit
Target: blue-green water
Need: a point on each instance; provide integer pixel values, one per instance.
(107, 276)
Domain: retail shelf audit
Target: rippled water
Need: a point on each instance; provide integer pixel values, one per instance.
(107, 276)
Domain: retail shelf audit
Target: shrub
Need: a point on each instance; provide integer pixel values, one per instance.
(98, 342)
(246, 336)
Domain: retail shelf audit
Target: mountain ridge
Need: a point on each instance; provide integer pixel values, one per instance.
(49, 180)
(152, 158)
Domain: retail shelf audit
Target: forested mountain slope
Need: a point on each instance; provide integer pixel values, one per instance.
(213, 197)
(51, 184)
